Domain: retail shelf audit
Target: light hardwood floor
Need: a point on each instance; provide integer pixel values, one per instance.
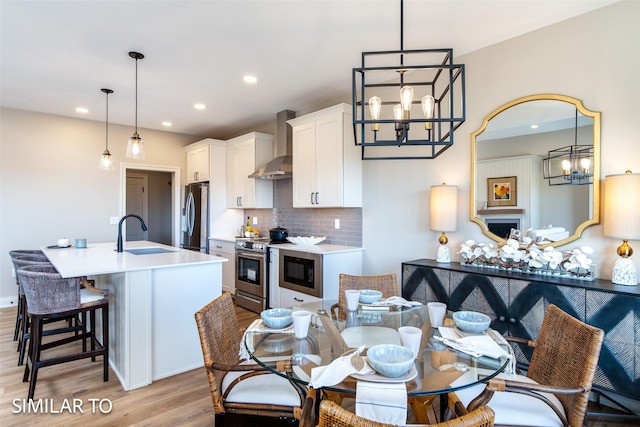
(181, 400)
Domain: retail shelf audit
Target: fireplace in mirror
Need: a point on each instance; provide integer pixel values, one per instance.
(502, 226)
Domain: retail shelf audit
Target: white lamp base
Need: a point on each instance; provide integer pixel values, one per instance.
(624, 272)
(444, 256)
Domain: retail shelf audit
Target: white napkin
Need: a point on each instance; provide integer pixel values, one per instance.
(473, 345)
(259, 326)
(336, 371)
(397, 301)
(382, 402)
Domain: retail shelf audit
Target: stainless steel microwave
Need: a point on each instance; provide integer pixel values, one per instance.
(301, 272)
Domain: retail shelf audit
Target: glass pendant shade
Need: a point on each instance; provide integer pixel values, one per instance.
(106, 162)
(135, 147)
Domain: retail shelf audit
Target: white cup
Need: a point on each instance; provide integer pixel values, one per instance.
(353, 297)
(437, 310)
(301, 320)
(410, 337)
(63, 243)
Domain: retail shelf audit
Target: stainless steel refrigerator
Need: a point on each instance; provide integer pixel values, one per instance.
(195, 217)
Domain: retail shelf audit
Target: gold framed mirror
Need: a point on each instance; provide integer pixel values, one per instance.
(509, 188)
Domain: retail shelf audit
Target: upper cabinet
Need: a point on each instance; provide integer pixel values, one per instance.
(244, 154)
(327, 165)
(199, 160)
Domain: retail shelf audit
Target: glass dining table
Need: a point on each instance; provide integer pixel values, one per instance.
(438, 368)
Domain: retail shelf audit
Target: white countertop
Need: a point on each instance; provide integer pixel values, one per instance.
(317, 249)
(231, 239)
(102, 258)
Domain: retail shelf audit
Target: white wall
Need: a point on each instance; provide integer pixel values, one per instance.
(50, 184)
(593, 57)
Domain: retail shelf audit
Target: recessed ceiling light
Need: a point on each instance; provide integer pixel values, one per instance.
(167, 124)
(199, 106)
(250, 79)
(82, 110)
(534, 126)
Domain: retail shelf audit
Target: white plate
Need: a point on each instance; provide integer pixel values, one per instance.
(370, 336)
(377, 378)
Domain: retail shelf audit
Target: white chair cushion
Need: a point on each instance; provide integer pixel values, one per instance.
(515, 408)
(87, 296)
(266, 388)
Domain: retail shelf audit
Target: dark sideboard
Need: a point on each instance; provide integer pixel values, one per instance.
(516, 303)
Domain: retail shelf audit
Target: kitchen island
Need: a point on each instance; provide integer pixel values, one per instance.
(153, 297)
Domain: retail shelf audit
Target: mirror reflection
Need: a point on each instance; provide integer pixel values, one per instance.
(512, 154)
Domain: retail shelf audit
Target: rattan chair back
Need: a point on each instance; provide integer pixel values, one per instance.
(220, 338)
(47, 292)
(25, 261)
(333, 415)
(566, 355)
(386, 283)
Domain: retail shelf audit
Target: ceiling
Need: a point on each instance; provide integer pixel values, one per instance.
(57, 55)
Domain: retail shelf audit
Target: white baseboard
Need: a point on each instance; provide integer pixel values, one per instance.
(8, 302)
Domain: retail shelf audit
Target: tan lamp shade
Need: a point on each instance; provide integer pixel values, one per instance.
(622, 206)
(444, 208)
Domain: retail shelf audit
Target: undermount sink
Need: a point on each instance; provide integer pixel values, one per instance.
(148, 251)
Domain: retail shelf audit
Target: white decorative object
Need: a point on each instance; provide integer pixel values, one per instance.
(624, 272)
(313, 240)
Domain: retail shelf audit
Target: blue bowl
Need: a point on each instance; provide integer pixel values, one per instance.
(471, 321)
(277, 318)
(390, 360)
(369, 296)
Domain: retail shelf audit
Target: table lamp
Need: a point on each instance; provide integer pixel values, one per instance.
(621, 220)
(444, 216)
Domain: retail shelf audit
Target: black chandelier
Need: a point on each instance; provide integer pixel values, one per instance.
(570, 165)
(394, 89)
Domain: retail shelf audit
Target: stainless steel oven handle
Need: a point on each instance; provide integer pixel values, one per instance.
(251, 255)
(245, 296)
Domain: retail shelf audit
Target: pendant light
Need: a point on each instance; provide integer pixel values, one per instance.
(106, 162)
(135, 147)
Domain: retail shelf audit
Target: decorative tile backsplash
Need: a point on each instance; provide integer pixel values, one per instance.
(308, 221)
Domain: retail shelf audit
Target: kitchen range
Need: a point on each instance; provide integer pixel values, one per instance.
(252, 272)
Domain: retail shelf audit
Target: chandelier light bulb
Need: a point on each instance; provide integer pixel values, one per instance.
(428, 103)
(566, 167)
(406, 99)
(375, 105)
(585, 164)
(397, 112)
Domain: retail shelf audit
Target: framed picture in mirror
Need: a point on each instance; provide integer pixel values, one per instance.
(502, 191)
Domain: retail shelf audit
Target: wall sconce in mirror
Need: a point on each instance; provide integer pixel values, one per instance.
(621, 210)
(407, 103)
(570, 165)
(443, 216)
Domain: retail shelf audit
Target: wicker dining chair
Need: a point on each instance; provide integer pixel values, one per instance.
(50, 296)
(333, 415)
(243, 393)
(555, 390)
(386, 283)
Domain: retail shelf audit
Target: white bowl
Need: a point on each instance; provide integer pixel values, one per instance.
(299, 240)
(471, 321)
(390, 360)
(369, 296)
(277, 318)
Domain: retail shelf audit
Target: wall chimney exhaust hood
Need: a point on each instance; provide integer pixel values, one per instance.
(282, 166)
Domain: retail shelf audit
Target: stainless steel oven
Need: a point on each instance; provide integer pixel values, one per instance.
(301, 272)
(252, 274)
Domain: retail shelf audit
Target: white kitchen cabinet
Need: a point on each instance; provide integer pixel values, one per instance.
(327, 165)
(289, 298)
(244, 154)
(225, 249)
(198, 162)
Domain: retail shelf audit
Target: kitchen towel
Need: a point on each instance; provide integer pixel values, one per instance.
(258, 326)
(382, 402)
(336, 371)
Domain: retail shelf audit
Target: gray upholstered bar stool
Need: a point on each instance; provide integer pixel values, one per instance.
(51, 296)
(22, 253)
(23, 326)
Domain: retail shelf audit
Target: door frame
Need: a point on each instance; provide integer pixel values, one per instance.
(176, 198)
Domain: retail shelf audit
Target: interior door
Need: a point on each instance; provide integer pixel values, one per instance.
(137, 203)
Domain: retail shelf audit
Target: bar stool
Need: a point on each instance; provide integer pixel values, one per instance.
(22, 253)
(51, 296)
